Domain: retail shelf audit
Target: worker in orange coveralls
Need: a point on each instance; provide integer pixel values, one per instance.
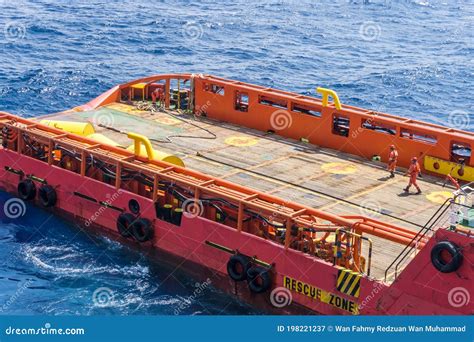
(157, 94)
(413, 172)
(392, 160)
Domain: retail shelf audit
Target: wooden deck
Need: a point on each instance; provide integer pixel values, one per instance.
(296, 171)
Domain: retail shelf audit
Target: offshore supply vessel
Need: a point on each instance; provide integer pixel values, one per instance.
(284, 195)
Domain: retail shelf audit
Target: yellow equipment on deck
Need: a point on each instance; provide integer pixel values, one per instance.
(79, 128)
(100, 138)
(445, 167)
(87, 130)
(149, 152)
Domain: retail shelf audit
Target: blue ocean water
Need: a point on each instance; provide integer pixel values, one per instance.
(412, 58)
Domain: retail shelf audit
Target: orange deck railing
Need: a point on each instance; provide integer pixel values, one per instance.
(344, 128)
(289, 213)
(350, 129)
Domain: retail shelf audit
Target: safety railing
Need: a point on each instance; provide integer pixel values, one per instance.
(353, 243)
(289, 212)
(364, 132)
(243, 201)
(369, 133)
(430, 226)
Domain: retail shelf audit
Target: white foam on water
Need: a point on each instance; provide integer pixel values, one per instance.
(62, 260)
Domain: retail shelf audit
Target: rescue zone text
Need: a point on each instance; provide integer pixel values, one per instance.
(321, 295)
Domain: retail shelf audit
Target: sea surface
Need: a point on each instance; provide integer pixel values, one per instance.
(410, 58)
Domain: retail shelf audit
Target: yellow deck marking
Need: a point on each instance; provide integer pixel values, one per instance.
(339, 168)
(439, 197)
(119, 106)
(126, 108)
(166, 120)
(241, 141)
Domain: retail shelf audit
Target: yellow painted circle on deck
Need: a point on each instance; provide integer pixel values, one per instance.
(241, 141)
(339, 168)
(166, 120)
(439, 197)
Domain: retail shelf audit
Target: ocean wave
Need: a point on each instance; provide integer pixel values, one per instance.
(70, 261)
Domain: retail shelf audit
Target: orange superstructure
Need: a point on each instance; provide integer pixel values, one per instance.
(351, 129)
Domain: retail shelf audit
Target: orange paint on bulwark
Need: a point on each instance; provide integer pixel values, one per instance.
(439, 197)
(339, 168)
(241, 141)
(166, 120)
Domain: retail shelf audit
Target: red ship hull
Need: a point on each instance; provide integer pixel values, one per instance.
(285, 250)
(419, 290)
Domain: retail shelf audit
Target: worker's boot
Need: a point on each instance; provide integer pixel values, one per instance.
(406, 189)
(392, 174)
(419, 191)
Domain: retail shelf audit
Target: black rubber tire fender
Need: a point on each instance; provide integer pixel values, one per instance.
(124, 224)
(437, 258)
(258, 279)
(47, 196)
(26, 190)
(237, 267)
(142, 230)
